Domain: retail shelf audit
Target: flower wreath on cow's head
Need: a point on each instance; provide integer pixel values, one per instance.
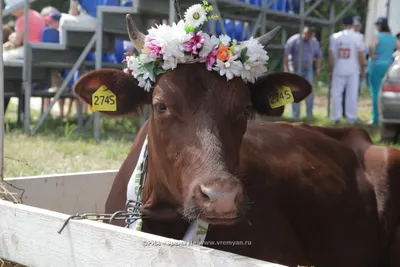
(164, 47)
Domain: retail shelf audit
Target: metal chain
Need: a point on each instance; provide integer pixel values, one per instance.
(131, 212)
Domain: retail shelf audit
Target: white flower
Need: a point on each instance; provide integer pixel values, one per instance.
(146, 58)
(195, 15)
(132, 63)
(224, 39)
(147, 86)
(237, 47)
(171, 39)
(231, 68)
(246, 74)
(141, 81)
(208, 45)
(255, 51)
(253, 70)
(170, 63)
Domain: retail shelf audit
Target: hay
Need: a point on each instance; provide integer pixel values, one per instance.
(4, 263)
(5, 194)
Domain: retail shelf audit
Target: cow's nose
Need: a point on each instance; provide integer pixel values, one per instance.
(220, 198)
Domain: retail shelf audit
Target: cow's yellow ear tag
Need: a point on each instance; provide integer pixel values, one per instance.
(104, 100)
(280, 98)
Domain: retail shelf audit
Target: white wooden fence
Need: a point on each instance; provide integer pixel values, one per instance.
(29, 232)
(66, 193)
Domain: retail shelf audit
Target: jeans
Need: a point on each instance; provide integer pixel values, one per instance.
(308, 75)
(376, 72)
(294, 5)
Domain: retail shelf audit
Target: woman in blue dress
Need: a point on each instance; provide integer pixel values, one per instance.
(380, 58)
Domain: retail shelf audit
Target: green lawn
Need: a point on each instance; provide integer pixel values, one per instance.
(60, 148)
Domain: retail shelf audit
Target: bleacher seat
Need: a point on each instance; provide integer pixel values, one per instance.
(50, 35)
(127, 3)
(256, 2)
(119, 50)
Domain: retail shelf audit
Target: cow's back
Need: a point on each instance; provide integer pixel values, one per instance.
(316, 187)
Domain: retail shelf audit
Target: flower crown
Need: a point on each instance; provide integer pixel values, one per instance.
(184, 42)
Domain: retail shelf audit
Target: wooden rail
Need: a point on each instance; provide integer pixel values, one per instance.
(28, 236)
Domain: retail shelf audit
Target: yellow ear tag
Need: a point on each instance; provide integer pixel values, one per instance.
(282, 97)
(104, 100)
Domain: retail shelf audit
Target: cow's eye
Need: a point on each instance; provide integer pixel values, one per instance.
(160, 107)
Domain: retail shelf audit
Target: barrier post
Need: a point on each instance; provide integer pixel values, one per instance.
(2, 109)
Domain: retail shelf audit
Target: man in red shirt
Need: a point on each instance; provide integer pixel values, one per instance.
(13, 49)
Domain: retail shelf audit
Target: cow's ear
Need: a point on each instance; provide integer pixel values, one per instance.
(271, 84)
(129, 96)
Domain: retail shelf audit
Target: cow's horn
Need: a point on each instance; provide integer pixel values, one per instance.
(136, 36)
(266, 38)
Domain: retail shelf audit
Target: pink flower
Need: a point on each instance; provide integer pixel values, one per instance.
(154, 48)
(210, 59)
(195, 43)
(127, 71)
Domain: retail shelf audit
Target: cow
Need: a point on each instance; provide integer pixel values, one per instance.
(303, 195)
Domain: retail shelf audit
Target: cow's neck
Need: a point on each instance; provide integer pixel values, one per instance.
(159, 208)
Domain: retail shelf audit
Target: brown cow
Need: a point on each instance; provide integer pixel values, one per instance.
(302, 195)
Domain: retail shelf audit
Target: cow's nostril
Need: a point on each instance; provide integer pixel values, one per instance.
(206, 193)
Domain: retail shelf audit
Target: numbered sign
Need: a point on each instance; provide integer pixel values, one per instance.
(282, 97)
(104, 100)
(344, 53)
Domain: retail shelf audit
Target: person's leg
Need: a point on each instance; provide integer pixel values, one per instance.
(83, 21)
(376, 75)
(61, 102)
(296, 111)
(295, 106)
(13, 54)
(310, 99)
(338, 84)
(352, 97)
(344, 103)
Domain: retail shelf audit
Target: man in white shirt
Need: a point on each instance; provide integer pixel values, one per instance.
(346, 63)
(357, 28)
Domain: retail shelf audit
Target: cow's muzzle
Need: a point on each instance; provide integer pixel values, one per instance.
(217, 201)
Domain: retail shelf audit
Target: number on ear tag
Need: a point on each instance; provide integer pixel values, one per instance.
(104, 100)
(282, 97)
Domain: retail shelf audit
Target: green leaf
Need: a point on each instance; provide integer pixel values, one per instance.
(232, 48)
(149, 67)
(189, 28)
(243, 55)
(159, 71)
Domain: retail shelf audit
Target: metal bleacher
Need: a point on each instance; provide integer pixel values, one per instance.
(238, 18)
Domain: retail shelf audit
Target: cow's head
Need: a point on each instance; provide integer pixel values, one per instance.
(195, 130)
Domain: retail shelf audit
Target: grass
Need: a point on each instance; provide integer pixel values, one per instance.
(60, 148)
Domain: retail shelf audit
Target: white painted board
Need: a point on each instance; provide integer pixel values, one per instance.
(28, 236)
(71, 193)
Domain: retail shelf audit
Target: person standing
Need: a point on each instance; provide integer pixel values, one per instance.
(311, 51)
(346, 64)
(380, 57)
(357, 29)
